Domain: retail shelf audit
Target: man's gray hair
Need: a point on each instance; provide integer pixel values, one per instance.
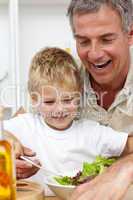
(123, 7)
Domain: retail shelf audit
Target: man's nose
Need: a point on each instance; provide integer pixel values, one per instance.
(95, 53)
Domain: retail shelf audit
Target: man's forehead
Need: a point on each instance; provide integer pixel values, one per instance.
(104, 16)
(104, 34)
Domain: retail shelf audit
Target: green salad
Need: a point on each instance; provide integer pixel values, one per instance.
(89, 171)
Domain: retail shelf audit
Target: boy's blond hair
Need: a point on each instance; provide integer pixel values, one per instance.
(52, 66)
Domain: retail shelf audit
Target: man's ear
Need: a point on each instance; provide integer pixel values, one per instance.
(130, 36)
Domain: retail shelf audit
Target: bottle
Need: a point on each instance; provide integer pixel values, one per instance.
(7, 170)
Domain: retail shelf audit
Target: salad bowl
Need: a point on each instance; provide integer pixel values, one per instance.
(63, 186)
(62, 191)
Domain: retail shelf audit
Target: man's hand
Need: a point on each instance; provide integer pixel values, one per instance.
(113, 184)
(129, 146)
(25, 169)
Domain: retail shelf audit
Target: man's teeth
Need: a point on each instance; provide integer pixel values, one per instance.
(101, 65)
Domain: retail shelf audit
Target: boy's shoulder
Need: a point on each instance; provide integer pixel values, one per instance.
(86, 123)
(25, 119)
(22, 123)
(26, 116)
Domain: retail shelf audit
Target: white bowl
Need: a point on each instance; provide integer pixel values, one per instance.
(65, 191)
(62, 191)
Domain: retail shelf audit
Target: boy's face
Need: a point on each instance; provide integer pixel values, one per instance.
(58, 106)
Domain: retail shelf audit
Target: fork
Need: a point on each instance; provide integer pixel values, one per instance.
(48, 172)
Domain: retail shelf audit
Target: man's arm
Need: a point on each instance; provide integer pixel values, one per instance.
(129, 146)
(112, 184)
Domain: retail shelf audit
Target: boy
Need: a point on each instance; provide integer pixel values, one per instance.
(62, 142)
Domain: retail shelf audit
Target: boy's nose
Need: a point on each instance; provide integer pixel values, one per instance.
(59, 108)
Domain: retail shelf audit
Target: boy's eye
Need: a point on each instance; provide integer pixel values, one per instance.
(66, 101)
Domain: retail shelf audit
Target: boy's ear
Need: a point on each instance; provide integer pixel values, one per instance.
(35, 103)
(34, 99)
(130, 36)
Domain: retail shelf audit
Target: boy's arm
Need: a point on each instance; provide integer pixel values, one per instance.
(129, 146)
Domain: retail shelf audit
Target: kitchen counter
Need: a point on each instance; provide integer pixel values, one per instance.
(30, 190)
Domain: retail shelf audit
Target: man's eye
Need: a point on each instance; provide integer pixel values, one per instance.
(83, 42)
(49, 102)
(107, 40)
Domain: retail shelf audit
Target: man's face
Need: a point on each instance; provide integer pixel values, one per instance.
(58, 106)
(102, 45)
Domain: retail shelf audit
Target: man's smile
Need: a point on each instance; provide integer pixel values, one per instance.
(101, 65)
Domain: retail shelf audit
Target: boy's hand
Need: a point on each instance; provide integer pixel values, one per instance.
(24, 169)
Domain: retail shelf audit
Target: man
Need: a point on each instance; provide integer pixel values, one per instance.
(104, 33)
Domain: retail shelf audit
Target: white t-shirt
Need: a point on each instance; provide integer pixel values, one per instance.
(65, 151)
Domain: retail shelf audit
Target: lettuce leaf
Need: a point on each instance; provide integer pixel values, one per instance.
(65, 180)
(89, 171)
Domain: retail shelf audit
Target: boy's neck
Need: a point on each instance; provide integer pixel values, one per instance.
(57, 129)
